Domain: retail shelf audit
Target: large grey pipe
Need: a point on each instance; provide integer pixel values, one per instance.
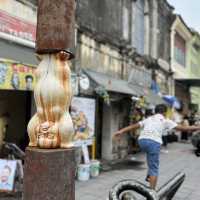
(169, 189)
(121, 191)
(166, 192)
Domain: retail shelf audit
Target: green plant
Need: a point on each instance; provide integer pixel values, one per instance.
(102, 92)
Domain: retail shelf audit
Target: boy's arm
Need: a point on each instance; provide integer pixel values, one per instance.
(126, 129)
(187, 128)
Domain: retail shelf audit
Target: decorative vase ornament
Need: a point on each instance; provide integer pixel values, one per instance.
(51, 126)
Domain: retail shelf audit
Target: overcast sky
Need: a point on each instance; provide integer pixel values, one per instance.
(189, 10)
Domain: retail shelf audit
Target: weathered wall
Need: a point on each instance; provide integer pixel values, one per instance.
(165, 19)
(101, 17)
(193, 66)
(183, 94)
(98, 57)
(114, 118)
(193, 61)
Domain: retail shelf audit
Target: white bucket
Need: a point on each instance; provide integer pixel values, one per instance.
(83, 172)
(94, 168)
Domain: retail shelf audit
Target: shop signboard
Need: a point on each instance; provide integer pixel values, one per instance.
(19, 76)
(16, 76)
(17, 27)
(7, 174)
(83, 116)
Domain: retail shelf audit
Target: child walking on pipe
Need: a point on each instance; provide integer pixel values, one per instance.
(150, 138)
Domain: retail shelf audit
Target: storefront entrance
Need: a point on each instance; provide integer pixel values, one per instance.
(18, 106)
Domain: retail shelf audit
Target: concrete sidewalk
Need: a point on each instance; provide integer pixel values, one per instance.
(179, 158)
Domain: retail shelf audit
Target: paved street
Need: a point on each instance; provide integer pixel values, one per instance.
(180, 157)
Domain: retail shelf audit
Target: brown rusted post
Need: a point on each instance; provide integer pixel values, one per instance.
(55, 29)
(49, 163)
(49, 174)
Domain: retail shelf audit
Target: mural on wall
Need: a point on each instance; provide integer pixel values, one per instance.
(83, 117)
(16, 76)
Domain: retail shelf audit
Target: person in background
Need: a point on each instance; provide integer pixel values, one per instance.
(184, 134)
(4, 178)
(15, 81)
(150, 138)
(165, 140)
(29, 82)
(177, 117)
(148, 113)
(3, 127)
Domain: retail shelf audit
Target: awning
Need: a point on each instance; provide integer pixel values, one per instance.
(151, 98)
(122, 86)
(154, 99)
(19, 53)
(111, 84)
(189, 82)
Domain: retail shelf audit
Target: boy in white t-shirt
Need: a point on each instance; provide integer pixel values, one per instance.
(150, 138)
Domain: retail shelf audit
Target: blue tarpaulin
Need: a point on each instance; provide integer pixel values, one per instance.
(172, 101)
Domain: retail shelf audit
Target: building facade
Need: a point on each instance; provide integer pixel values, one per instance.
(120, 46)
(181, 37)
(125, 50)
(185, 64)
(17, 66)
(193, 69)
(100, 42)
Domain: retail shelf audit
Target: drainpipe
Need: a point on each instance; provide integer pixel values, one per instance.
(172, 81)
(122, 60)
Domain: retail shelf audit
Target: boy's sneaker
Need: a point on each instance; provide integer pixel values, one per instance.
(147, 178)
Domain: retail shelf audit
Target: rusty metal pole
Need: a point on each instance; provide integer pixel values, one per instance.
(49, 172)
(55, 28)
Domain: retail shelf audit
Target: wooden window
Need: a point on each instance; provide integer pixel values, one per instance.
(125, 23)
(180, 50)
(138, 26)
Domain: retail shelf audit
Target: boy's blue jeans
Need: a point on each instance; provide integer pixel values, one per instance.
(152, 150)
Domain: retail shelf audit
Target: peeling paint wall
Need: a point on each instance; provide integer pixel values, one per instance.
(99, 57)
(194, 66)
(165, 19)
(101, 17)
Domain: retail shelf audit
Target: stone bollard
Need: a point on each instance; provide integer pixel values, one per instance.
(49, 174)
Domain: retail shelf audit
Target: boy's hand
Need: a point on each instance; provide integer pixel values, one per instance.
(117, 134)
